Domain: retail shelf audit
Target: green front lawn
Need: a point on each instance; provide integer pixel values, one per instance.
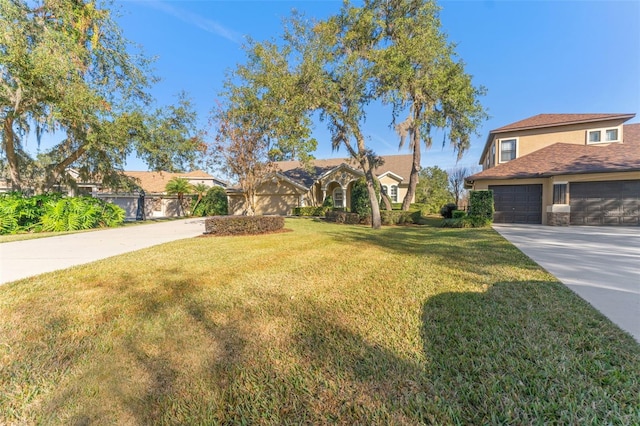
(325, 324)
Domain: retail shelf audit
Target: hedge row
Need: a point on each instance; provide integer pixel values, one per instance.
(467, 222)
(310, 211)
(242, 225)
(399, 217)
(343, 217)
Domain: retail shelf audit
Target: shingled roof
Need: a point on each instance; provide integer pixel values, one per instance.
(294, 170)
(156, 182)
(550, 120)
(565, 159)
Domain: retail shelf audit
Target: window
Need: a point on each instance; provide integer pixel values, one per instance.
(594, 136)
(394, 193)
(492, 159)
(603, 135)
(507, 150)
(560, 193)
(337, 198)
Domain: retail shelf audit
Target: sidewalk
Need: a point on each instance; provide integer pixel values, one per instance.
(22, 259)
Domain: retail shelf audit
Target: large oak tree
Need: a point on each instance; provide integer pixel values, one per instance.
(419, 73)
(65, 68)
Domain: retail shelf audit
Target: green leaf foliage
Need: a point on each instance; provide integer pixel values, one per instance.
(67, 68)
(214, 203)
(55, 214)
(360, 198)
(481, 204)
(433, 189)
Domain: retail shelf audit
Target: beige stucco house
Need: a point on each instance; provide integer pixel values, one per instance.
(561, 169)
(293, 185)
(157, 203)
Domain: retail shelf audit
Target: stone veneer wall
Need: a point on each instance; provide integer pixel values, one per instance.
(558, 219)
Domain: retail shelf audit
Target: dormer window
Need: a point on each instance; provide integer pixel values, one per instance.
(603, 135)
(508, 149)
(611, 135)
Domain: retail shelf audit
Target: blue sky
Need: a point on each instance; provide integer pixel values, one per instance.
(532, 56)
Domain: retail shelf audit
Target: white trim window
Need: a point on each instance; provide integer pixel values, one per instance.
(393, 194)
(604, 135)
(508, 149)
(338, 198)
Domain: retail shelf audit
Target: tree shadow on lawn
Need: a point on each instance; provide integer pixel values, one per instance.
(529, 352)
(519, 353)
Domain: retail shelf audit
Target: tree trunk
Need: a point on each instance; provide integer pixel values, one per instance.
(367, 167)
(376, 221)
(415, 168)
(385, 197)
(249, 200)
(10, 150)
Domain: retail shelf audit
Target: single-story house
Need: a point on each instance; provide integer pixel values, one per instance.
(151, 190)
(563, 169)
(294, 185)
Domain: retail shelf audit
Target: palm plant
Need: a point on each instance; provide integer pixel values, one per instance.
(179, 186)
(199, 189)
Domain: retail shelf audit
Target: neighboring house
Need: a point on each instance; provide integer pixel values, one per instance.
(561, 169)
(157, 203)
(293, 185)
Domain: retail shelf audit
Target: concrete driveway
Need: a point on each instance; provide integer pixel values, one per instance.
(22, 259)
(600, 264)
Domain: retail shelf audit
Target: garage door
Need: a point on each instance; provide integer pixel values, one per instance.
(605, 203)
(517, 203)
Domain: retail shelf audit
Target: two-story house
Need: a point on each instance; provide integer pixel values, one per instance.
(561, 169)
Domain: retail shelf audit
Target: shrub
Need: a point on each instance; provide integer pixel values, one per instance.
(343, 217)
(456, 223)
(214, 203)
(480, 222)
(243, 225)
(360, 198)
(397, 217)
(481, 204)
(78, 213)
(467, 222)
(310, 211)
(447, 210)
(53, 213)
(458, 214)
(19, 213)
(328, 202)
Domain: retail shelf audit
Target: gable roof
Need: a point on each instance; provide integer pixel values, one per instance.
(552, 120)
(155, 182)
(398, 164)
(565, 159)
(542, 121)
